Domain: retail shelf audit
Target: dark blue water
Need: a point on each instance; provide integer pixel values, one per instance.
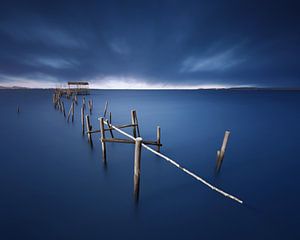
(54, 186)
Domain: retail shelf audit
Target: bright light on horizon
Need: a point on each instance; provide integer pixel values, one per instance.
(109, 82)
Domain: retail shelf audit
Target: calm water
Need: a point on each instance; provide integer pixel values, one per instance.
(54, 186)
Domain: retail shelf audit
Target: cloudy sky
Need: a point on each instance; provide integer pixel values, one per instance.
(150, 44)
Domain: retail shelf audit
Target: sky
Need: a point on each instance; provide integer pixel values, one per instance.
(150, 44)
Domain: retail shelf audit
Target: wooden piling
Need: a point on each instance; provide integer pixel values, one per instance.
(133, 122)
(137, 166)
(83, 102)
(90, 106)
(105, 109)
(70, 111)
(110, 118)
(18, 109)
(88, 128)
(224, 145)
(63, 108)
(82, 119)
(158, 138)
(220, 153)
(103, 139)
(73, 108)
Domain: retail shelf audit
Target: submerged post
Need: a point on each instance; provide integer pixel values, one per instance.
(110, 117)
(220, 153)
(83, 102)
(63, 108)
(133, 122)
(90, 106)
(105, 109)
(137, 166)
(73, 106)
(103, 139)
(82, 119)
(88, 128)
(18, 109)
(158, 138)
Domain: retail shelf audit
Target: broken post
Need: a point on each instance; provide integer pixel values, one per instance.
(158, 138)
(83, 102)
(82, 119)
(103, 139)
(110, 117)
(88, 128)
(220, 153)
(63, 108)
(90, 106)
(133, 122)
(137, 166)
(73, 106)
(105, 109)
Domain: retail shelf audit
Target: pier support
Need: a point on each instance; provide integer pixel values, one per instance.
(158, 138)
(82, 119)
(88, 128)
(137, 167)
(221, 153)
(103, 139)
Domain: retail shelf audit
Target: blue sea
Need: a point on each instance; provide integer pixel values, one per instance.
(54, 185)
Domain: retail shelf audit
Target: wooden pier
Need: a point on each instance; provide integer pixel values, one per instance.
(106, 126)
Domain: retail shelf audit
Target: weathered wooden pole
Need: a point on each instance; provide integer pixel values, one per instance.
(158, 138)
(82, 119)
(105, 109)
(110, 118)
(90, 106)
(137, 167)
(220, 153)
(88, 128)
(70, 111)
(133, 122)
(83, 102)
(103, 139)
(63, 108)
(73, 108)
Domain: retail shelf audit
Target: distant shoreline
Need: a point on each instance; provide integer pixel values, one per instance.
(175, 89)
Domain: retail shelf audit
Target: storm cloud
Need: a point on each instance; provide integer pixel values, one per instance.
(151, 43)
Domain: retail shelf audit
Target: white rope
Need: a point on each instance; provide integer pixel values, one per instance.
(178, 166)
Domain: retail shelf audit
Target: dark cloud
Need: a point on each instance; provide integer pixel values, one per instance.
(168, 42)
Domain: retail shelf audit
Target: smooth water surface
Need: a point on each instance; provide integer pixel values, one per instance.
(54, 185)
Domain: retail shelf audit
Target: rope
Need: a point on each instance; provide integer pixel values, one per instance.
(179, 166)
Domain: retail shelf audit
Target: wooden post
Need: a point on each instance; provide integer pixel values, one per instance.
(137, 124)
(158, 138)
(82, 119)
(220, 153)
(105, 109)
(83, 102)
(133, 114)
(110, 117)
(18, 109)
(102, 139)
(88, 128)
(137, 166)
(90, 106)
(73, 106)
(70, 111)
(224, 145)
(110, 130)
(63, 108)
